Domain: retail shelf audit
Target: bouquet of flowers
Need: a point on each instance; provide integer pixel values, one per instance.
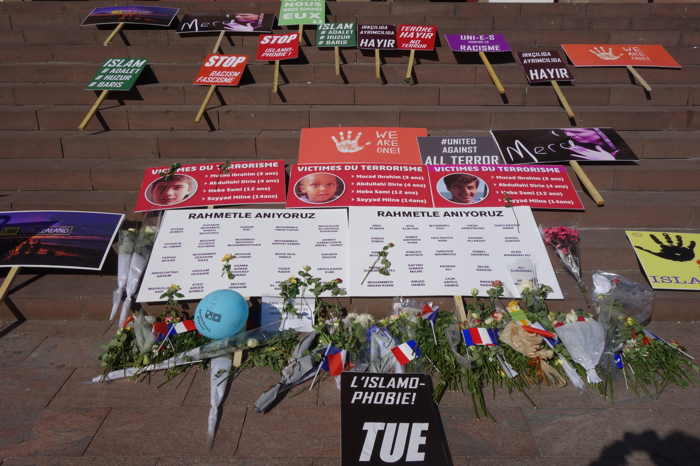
(564, 240)
(584, 338)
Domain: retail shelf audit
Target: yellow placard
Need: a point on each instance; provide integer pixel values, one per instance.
(669, 259)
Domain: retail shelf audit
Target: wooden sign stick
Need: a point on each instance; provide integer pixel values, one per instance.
(459, 307)
(562, 99)
(642, 82)
(93, 109)
(337, 60)
(411, 59)
(276, 76)
(301, 33)
(492, 73)
(205, 102)
(217, 44)
(5, 285)
(114, 32)
(377, 65)
(587, 183)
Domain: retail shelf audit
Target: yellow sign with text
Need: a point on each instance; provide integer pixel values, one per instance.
(669, 259)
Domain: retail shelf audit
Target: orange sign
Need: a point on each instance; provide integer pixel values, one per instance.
(360, 144)
(221, 70)
(619, 55)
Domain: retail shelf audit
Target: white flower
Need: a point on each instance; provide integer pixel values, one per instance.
(488, 321)
(525, 284)
(365, 319)
(571, 317)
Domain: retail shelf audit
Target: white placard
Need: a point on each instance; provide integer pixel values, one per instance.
(270, 245)
(271, 311)
(446, 252)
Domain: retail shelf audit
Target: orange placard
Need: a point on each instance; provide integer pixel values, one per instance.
(620, 55)
(360, 144)
(221, 70)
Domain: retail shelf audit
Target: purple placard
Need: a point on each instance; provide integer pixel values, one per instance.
(477, 42)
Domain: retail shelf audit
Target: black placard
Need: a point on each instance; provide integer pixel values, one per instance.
(543, 66)
(459, 150)
(376, 36)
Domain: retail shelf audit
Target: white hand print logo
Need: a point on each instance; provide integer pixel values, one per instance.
(346, 144)
(603, 54)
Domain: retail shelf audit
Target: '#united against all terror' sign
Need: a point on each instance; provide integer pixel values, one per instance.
(390, 419)
(117, 74)
(543, 66)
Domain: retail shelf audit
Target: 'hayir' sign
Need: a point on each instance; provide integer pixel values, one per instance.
(543, 66)
(377, 36)
(390, 419)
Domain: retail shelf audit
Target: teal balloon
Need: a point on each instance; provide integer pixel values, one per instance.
(221, 314)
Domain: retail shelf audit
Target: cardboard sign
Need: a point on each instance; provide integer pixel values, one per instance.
(234, 22)
(416, 37)
(539, 186)
(117, 74)
(457, 150)
(336, 35)
(620, 55)
(269, 246)
(302, 12)
(56, 239)
(221, 70)
(343, 185)
(446, 252)
(204, 184)
(543, 66)
(477, 43)
(275, 47)
(360, 144)
(377, 36)
(670, 260)
(390, 419)
(132, 14)
(562, 145)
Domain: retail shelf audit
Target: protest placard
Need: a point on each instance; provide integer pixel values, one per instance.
(341, 185)
(537, 186)
(669, 259)
(56, 239)
(132, 14)
(336, 35)
(218, 70)
(209, 184)
(377, 37)
(481, 43)
(268, 245)
(276, 47)
(543, 66)
(456, 150)
(446, 252)
(415, 37)
(230, 22)
(360, 144)
(302, 12)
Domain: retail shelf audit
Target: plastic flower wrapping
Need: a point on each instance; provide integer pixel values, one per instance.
(564, 241)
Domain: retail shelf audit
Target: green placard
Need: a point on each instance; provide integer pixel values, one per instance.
(117, 74)
(336, 35)
(302, 12)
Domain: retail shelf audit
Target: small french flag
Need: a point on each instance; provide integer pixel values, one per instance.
(429, 312)
(182, 327)
(550, 338)
(406, 352)
(334, 362)
(479, 336)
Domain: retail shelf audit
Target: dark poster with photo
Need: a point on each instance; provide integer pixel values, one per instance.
(390, 419)
(56, 239)
(562, 145)
(233, 22)
(458, 150)
(132, 14)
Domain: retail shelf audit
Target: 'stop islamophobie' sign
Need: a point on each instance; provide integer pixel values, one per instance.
(619, 55)
(336, 35)
(117, 74)
(302, 12)
(543, 66)
(236, 22)
(669, 259)
(204, 184)
(275, 47)
(416, 37)
(390, 419)
(377, 36)
(562, 145)
(221, 70)
(56, 239)
(360, 144)
(477, 43)
(132, 14)
(456, 150)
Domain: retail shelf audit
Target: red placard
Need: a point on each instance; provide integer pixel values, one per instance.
(203, 184)
(358, 184)
(274, 47)
(360, 144)
(619, 55)
(415, 37)
(539, 186)
(221, 70)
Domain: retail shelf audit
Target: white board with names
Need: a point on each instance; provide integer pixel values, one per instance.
(447, 252)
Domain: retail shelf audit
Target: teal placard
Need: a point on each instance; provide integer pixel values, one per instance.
(302, 12)
(336, 35)
(117, 74)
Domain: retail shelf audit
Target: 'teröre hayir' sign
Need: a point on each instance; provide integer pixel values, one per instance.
(416, 37)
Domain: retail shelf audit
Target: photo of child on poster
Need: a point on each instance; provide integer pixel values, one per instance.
(172, 191)
(462, 188)
(562, 144)
(319, 188)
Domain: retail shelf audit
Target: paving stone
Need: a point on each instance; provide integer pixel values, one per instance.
(30, 388)
(61, 352)
(235, 461)
(78, 461)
